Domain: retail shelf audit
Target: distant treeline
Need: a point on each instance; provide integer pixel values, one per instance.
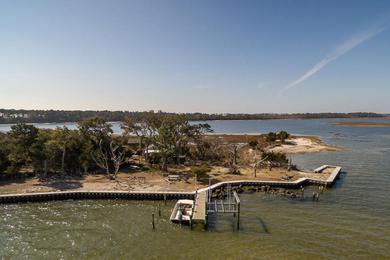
(10, 116)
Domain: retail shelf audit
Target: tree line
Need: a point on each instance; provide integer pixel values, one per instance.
(93, 145)
(11, 116)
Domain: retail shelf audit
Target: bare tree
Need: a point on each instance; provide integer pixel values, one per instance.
(117, 157)
(101, 158)
(113, 156)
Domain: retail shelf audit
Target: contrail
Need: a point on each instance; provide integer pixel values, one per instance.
(340, 50)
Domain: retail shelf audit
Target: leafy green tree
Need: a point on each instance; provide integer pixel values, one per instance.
(26, 148)
(173, 134)
(95, 134)
(95, 129)
(4, 160)
(283, 135)
(63, 148)
(144, 128)
(164, 140)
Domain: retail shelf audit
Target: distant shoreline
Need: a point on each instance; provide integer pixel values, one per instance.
(228, 119)
(364, 124)
(12, 116)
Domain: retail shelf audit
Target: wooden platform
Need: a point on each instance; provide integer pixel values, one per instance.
(200, 214)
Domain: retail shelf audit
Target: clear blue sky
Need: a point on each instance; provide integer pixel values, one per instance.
(187, 56)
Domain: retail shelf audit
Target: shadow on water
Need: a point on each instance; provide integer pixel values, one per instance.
(227, 222)
(340, 180)
(263, 225)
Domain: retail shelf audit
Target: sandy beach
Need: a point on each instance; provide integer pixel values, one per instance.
(304, 144)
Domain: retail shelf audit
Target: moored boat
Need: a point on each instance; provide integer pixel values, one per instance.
(182, 212)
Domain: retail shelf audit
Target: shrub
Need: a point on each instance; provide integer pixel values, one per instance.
(200, 171)
(253, 143)
(283, 135)
(154, 158)
(272, 137)
(275, 157)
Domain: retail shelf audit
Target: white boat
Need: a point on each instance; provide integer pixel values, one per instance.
(182, 211)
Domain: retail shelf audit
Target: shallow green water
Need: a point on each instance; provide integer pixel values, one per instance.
(350, 221)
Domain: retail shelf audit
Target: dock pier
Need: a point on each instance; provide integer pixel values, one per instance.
(199, 215)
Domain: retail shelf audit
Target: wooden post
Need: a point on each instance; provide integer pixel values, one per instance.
(209, 191)
(165, 199)
(238, 216)
(237, 201)
(154, 227)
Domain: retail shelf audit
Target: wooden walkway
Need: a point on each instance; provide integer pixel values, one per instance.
(288, 184)
(200, 215)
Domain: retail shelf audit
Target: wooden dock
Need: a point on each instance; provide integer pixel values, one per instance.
(332, 177)
(229, 205)
(199, 215)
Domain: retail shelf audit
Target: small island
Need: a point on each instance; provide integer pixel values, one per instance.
(156, 153)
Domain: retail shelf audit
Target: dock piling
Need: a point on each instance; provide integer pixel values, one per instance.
(238, 216)
(153, 225)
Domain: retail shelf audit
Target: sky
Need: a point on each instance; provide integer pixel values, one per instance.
(215, 56)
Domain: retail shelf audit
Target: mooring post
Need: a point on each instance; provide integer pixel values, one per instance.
(208, 191)
(165, 199)
(154, 227)
(237, 202)
(238, 216)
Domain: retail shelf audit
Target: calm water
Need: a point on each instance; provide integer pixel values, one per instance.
(351, 220)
